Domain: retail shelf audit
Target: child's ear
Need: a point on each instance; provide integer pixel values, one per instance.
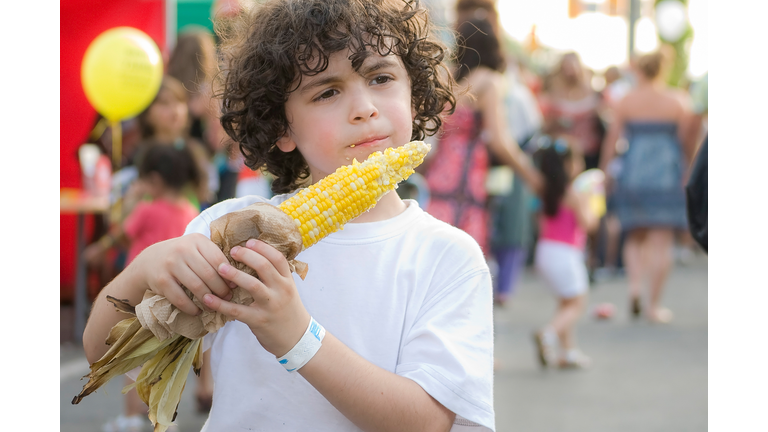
(286, 144)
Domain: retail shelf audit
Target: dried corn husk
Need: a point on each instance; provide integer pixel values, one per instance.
(165, 340)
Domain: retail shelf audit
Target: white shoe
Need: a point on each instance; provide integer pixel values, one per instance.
(546, 343)
(134, 423)
(575, 359)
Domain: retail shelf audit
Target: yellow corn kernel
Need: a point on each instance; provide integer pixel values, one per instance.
(326, 206)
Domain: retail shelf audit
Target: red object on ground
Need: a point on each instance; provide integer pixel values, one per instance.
(604, 311)
(81, 21)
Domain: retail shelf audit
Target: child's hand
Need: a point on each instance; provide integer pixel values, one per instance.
(190, 260)
(277, 316)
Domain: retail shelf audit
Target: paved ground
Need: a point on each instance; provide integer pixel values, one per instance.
(644, 378)
(648, 378)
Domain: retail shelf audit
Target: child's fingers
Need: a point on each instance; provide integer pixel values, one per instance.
(193, 282)
(232, 310)
(273, 255)
(205, 265)
(176, 295)
(255, 287)
(255, 260)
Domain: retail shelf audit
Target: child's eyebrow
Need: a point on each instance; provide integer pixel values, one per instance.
(381, 63)
(320, 82)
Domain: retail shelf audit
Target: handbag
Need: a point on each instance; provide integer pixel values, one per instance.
(696, 197)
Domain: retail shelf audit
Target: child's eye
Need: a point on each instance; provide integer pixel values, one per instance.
(326, 95)
(382, 79)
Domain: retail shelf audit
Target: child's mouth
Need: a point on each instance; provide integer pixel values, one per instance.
(369, 142)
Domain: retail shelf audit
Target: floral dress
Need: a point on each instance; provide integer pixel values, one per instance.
(456, 176)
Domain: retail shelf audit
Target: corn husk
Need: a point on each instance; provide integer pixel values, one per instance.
(166, 341)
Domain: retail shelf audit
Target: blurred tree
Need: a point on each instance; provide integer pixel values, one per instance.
(677, 38)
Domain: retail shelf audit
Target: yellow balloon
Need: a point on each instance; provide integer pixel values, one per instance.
(121, 72)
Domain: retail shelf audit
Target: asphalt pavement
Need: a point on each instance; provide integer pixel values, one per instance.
(644, 377)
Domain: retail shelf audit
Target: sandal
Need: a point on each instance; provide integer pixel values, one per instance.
(545, 347)
(635, 308)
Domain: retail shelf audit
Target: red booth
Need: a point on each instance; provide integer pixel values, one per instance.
(81, 22)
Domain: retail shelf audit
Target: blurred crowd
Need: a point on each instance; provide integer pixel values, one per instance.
(624, 126)
(504, 168)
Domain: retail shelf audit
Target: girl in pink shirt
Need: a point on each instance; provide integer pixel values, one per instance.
(164, 175)
(563, 225)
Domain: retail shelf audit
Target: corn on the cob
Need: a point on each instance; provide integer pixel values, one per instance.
(326, 206)
(316, 211)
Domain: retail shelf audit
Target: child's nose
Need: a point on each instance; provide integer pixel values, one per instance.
(363, 108)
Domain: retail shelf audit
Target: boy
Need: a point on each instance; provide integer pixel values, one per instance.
(405, 300)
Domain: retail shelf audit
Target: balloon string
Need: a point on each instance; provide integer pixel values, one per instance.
(117, 156)
(117, 142)
(98, 130)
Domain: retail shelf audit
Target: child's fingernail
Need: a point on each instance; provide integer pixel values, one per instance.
(251, 243)
(232, 285)
(208, 299)
(234, 250)
(228, 297)
(223, 268)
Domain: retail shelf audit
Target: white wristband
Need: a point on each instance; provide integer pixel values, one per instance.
(305, 349)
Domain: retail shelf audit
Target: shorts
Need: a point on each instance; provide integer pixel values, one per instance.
(562, 267)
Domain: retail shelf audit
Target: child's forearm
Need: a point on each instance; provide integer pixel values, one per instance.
(372, 398)
(104, 315)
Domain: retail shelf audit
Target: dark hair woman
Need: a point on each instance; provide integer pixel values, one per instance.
(456, 173)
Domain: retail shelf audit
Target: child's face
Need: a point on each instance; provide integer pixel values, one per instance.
(342, 114)
(168, 115)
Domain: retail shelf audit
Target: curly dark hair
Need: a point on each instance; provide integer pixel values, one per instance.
(268, 50)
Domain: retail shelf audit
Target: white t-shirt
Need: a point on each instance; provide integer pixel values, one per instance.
(411, 294)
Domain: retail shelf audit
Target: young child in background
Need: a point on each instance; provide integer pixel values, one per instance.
(405, 300)
(565, 221)
(165, 174)
(166, 122)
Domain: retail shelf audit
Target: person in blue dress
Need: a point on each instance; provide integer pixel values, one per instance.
(647, 188)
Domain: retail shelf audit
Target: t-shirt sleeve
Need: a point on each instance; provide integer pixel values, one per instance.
(449, 350)
(201, 224)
